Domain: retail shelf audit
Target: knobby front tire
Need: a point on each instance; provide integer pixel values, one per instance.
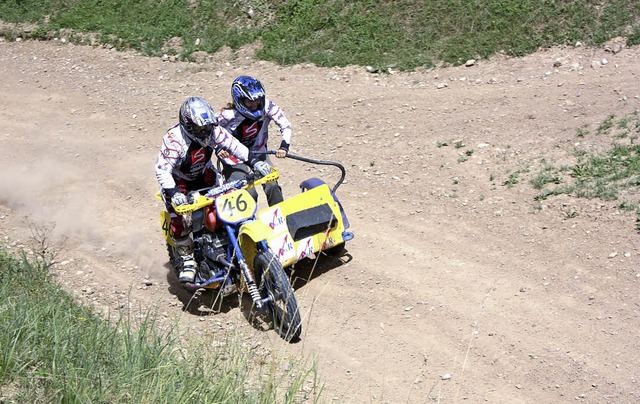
(272, 282)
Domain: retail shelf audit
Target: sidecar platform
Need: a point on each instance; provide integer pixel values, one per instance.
(306, 223)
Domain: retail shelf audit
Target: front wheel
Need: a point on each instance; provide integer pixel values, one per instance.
(273, 283)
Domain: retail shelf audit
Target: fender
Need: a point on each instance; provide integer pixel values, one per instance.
(255, 231)
(251, 233)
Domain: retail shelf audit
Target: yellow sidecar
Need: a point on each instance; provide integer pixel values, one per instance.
(306, 224)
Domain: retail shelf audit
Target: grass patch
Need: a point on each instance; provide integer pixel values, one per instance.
(514, 178)
(602, 175)
(404, 34)
(53, 349)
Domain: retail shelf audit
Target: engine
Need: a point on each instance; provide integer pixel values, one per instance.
(214, 245)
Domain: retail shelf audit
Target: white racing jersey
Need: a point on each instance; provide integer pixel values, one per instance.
(254, 134)
(185, 159)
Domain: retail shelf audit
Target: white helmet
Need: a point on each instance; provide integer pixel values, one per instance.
(197, 120)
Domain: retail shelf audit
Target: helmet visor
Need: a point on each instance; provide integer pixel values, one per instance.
(201, 132)
(253, 105)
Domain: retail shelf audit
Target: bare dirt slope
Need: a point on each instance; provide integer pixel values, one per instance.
(456, 288)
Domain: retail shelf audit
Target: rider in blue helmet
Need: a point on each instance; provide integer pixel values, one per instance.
(248, 97)
(248, 117)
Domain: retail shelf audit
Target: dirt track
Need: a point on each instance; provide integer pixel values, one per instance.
(456, 288)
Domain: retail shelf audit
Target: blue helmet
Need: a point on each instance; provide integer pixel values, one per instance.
(197, 119)
(248, 97)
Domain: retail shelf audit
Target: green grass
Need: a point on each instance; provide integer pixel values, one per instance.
(403, 34)
(53, 349)
(604, 175)
(410, 34)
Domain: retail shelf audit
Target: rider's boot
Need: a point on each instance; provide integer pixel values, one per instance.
(184, 248)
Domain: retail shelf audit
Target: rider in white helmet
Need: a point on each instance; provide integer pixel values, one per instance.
(184, 164)
(248, 118)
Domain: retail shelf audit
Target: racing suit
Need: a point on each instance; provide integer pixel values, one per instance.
(184, 165)
(254, 135)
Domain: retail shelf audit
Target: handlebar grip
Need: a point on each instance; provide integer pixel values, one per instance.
(265, 152)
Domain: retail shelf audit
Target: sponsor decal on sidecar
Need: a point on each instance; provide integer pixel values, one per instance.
(305, 248)
(274, 219)
(282, 246)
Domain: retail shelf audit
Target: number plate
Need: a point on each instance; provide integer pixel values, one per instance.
(165, 220)
(235, 206)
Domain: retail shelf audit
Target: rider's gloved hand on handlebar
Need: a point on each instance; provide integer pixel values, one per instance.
(179, 199)
(262, 167)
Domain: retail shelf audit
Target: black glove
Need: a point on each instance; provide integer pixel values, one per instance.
(284, 146)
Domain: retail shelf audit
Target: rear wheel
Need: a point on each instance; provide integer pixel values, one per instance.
(273, 283)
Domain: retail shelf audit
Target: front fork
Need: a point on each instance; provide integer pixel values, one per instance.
(245, 270)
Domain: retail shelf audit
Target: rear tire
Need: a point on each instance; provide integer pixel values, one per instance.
(283, 308)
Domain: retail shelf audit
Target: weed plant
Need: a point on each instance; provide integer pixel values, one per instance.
(53, 349)
(403, 34)
(604, 175)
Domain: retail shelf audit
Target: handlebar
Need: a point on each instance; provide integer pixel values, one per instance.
(312, 161)
(212, 193)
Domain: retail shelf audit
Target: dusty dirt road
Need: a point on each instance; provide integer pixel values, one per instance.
(456, 288)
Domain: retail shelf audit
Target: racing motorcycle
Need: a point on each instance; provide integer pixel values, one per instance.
(241, 250)
(232, 253)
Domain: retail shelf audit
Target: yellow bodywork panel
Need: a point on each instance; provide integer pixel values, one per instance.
(165, 222)
(303, 225)
(251, 233)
